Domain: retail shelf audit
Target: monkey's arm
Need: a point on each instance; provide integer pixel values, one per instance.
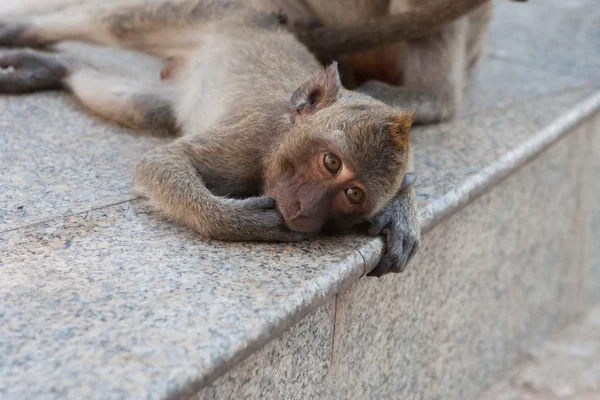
(172, 177)
(399, 223)
(432, 72)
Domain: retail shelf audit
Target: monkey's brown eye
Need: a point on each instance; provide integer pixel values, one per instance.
(332, 163)
(355, 195)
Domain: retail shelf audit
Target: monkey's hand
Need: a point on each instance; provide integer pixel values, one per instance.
(254, 219)
(171, 177)
(399, 223)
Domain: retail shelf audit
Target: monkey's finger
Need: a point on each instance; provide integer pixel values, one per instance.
(409, 249)
(383, 267)
(14, 81)
(400, 251)
(377, 227)
(11, 58)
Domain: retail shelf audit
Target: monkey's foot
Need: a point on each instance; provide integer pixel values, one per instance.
(402, 243)
(26, 70)
(428, 108)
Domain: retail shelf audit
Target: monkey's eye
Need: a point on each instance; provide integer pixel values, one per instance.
(355, 195)
(332, 163)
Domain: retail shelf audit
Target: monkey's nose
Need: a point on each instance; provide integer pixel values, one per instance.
(299, 210)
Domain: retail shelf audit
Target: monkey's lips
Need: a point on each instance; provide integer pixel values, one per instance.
(301, 223)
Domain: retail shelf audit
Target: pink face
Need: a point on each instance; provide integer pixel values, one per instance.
(323, 188)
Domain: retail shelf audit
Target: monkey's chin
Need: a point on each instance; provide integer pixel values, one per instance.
(303, 225)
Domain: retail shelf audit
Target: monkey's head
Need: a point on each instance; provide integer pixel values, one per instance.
(343, 158)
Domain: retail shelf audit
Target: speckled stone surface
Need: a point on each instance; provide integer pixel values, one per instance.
(384, 335)
(558, 36)
(453, 171)
(591, 279)
(293, 366)
(488, 89)
(565, 367)
(118, 303)
(500, 260)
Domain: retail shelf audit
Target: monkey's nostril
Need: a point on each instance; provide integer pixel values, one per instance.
(297, 209)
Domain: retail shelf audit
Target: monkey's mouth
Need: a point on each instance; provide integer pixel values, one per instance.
(303, 224)
(300, 223)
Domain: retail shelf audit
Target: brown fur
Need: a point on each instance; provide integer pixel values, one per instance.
(400, 130)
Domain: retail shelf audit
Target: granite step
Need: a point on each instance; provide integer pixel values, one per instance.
(102, 298)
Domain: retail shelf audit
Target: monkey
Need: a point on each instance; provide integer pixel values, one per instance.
(268, 145)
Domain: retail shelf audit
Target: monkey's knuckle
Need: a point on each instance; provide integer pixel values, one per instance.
(378, 225)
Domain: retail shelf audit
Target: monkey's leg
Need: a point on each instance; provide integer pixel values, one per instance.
(160, 28)
(142, 106)
(433, 76)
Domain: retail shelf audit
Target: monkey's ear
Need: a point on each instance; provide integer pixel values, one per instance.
(318, 92)
(399, 129)
(409, 179)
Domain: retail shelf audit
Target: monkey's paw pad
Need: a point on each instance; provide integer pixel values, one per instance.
(26, 70)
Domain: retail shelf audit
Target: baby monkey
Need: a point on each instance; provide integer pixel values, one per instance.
(271, 146)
